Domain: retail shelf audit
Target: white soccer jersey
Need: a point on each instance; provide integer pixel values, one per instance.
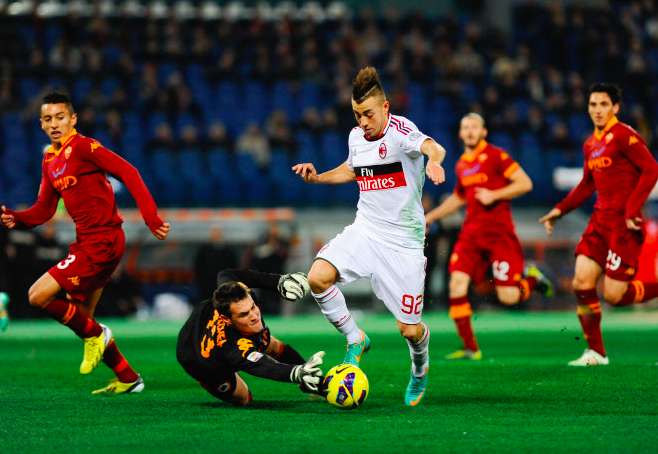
(390, 173)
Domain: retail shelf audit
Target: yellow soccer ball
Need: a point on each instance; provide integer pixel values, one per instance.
(346, 386)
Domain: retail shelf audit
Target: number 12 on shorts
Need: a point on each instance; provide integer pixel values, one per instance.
(411, 304)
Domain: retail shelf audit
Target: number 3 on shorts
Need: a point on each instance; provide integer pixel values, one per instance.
(66, 262)
(411, 305)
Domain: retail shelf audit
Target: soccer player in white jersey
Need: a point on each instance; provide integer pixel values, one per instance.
(385, 242)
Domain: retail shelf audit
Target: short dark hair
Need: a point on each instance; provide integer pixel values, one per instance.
(366, 84)
(58, 98)
(226, 294)
(613, 90)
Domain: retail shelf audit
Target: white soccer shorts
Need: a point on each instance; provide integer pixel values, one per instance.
(397, 276)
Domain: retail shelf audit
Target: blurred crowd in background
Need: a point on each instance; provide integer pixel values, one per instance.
(213, 110)
(213, 105)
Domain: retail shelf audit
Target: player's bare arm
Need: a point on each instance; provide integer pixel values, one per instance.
(339, 175)
(162, 231)
(436, 154)
(549, 220)
(451, 204)
(7, 218)
(520, 183)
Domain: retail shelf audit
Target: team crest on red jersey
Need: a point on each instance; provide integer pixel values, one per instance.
(382, 150)
(608, 137)
(67, 152)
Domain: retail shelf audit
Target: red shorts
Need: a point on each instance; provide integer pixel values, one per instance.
(616, 249)
(90, 264)
(474, 252)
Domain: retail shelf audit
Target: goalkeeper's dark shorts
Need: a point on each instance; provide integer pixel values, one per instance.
(219, 382)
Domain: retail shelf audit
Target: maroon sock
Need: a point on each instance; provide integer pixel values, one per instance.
(465, 331)
(589, 315)
(68, 314)
(638, 292)
(460, 311)
(118, 363)
(527, 285)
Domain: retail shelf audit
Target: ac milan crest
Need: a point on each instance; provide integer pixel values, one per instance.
(382, 150)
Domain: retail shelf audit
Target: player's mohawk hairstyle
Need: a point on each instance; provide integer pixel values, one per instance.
(366, 84)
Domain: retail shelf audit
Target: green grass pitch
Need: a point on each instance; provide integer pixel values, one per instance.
(521, 397)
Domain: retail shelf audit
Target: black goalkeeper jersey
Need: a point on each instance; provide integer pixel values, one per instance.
(209, 347)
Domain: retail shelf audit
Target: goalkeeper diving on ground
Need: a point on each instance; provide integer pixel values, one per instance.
(226, 335)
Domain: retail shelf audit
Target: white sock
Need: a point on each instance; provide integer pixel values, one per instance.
(333, 307)
(419, 352)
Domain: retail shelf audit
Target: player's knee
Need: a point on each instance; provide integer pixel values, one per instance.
(242, 400)
(37, 297)
(457, 287)
(408, 331)
(320, 278)
(318, 282)
(580, 283)
(613, 296)
(508, 296)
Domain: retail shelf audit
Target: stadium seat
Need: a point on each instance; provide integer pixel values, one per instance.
(164, 168)
(256, 101)
(225, 185)
(283, 99)
(253, 183)
(284, 183)
(195, 178)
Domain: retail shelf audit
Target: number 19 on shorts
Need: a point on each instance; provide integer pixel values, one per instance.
(411, 304)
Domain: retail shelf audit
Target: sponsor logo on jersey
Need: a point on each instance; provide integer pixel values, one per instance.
(414, 136)
(215, 335)
(56, 173)
(632, 140)
(75, 280)
(65, 182)
(471, 180)
(599, 163)
(245, 345)
(382, 150)
(598, 152)
(94, 145)
(379, 177)
(254, 357)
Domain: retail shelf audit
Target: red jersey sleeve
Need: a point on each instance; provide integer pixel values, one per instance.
(580, 193)
(459, 187)
(118, 167)
(636, 151)
(43, 209)
(506, 164)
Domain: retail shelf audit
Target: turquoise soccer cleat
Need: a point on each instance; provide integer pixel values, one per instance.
(4, 316)
(355, 351)
(415, 390)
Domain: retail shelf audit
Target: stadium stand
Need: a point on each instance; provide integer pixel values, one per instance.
(146, 74)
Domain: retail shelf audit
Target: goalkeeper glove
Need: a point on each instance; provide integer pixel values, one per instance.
(309, 374)
(293, 286)
(4, 317)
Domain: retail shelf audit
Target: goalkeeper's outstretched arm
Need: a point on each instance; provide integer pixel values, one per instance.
(292, 286)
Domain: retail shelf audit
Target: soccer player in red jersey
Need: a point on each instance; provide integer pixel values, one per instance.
(621, 169)
(75, 168)
(487, 179)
